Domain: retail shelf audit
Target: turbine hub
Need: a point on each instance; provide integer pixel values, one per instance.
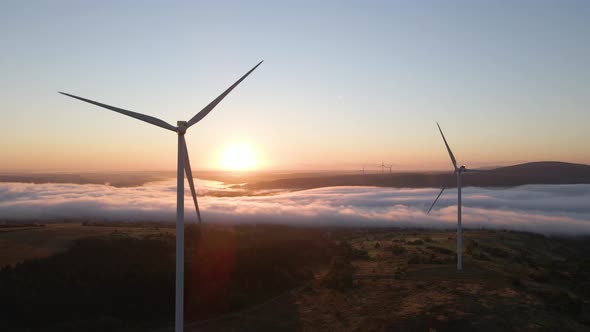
(181, 127)
(462, 169)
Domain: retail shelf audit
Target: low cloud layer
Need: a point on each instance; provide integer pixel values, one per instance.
(546, 209)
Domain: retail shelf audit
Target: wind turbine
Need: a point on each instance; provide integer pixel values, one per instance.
(183, 166)
(389, 166)
(383, 167)
(457, 171)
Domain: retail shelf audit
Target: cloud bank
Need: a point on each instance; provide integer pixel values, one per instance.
(545, 209)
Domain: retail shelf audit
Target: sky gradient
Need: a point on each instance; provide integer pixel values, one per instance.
(344, 83)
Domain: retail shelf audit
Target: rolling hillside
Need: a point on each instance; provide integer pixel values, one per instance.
(529, 173)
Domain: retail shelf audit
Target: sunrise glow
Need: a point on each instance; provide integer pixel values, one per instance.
(238, 157)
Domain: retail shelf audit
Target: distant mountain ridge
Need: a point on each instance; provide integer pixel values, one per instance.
(544, 167)
(545, 172)
(122, 179)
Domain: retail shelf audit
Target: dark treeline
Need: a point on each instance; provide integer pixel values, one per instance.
(123, 283)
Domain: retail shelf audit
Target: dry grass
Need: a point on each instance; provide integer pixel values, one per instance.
(511, 281)
(18, 244)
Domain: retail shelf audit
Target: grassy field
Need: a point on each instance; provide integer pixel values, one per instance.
(408, 281)
(102, 277)
(268, 278)
(36, 241)
(399, 280)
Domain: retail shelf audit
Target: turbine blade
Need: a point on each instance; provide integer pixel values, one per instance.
(199, 116)
(440, 193)
(448, 148)
(139, 116)
(189, 176)
(436, 199)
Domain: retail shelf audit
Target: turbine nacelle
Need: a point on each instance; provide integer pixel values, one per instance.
(182, 127)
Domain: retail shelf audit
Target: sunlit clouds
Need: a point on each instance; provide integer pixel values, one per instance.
(546, 209)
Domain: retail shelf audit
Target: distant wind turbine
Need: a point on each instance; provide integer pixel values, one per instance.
(183, 166)
(389, 166)
(457, 171)
(383, 167)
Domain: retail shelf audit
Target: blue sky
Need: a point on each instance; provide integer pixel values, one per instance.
(344, 83)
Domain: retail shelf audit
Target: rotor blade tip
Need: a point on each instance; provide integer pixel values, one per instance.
(66, 94)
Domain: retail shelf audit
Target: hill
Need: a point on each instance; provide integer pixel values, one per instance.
(276, 278)
(516, 175)
(119, 179)
(250, 182)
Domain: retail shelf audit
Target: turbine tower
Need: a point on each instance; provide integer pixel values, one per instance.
(459, 172)
(389, 166)
(183, 166)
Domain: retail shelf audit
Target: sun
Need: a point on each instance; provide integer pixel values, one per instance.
(238, 157)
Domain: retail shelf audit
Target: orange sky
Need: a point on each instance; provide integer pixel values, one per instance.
(342, 85)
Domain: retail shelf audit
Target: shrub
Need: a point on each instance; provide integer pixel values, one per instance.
(481, 256)
(495, 251)
(345, 248)
(441, 250)
(340, 274)
(562, 301)
(398, 250)
(539, 276)
(516, 282)
(359, 254)
(415, 259)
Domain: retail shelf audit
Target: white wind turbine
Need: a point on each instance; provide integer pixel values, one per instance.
(183, 166)
(458, 171)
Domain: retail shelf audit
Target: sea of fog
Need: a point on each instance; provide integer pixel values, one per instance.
(546, 209)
